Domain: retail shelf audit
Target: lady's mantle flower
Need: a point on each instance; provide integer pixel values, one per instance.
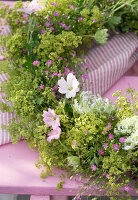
(93, 167)
(122, 140)
(54, 134)
(111, 137)
(51, 119)
(36, 62)
(116, 147)
(69, 87)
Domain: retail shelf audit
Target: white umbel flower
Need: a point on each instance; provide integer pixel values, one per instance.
(69, 87)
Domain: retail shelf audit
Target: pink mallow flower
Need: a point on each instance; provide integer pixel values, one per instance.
(36, 62)
(51, 119)
(93, 167)
(111, 137)
(101, 152)
(122, 140)
(116, 147)
(54, 134)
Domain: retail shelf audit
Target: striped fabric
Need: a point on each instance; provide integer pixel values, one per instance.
(4, 117)
(107, 63)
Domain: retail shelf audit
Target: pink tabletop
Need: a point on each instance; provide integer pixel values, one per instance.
(18, 174)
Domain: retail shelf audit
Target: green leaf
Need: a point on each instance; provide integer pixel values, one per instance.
(101, 36)
(114, 20)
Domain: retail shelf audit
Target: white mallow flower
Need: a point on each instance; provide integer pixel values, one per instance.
(69, 87)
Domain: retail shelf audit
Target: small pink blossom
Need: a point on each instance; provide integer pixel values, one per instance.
(54, 4)
(60, 58)
(127, 188)
(74, 54)
(56, 13)
(49, 62)
(51, 28)
(74, 143)
(71, 6)
(43, 31)
(47, 24)
(54, 134)
(55, 88)
(94, 20)
(41, 87)
(86, 132)
(93, 167)
(36, 62)
(122, 140)
(101, 152)
(104, 132)
(29, 20)
(51, 119)
(105, 145)
(104, 13)
(80, 18)
(46, 72)
(20, 66)
(25, 15)
(24, 22)
(108, 126)
(107, 175)
(116, 147)
(111, 137)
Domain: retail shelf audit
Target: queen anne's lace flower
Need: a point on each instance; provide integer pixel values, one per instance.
(69, 87)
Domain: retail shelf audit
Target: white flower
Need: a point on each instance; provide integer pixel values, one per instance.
(33, 6)
(69, 87)
(128, 127)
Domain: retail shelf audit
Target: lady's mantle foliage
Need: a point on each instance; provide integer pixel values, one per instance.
(71, 129)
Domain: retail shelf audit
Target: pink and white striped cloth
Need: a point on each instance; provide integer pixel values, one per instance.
(106, 64)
